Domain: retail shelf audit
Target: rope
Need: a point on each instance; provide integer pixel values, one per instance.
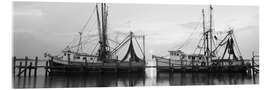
(187, 40)
(94, 49)
(85, 25)
(198, 45)
(139, 45)
(238, 48)
(90, 17)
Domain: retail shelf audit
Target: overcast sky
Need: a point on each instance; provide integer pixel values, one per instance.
(48, 27)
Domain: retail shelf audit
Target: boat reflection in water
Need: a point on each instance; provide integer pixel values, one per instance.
(149, 78)
(175, 79)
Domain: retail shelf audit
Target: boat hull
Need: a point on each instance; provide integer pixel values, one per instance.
(165, 65)
(77, 67)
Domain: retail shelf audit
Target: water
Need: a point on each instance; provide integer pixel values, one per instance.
(149, 78)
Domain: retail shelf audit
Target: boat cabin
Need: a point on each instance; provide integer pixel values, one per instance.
(178, 55)
(75, 56)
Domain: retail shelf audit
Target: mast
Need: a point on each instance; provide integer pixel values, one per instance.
(102, 28)
(144, 48)
(205, 49)
(210, 31)
(99, 32)
(80, 43)
(104, 23)
(203, 22)
(98, 25)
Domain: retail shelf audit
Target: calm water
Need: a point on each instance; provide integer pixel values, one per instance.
(150, 78)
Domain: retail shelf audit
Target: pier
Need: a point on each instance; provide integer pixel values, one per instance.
(25, 66)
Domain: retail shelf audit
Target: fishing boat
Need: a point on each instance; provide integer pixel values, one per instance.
(105, 58)
(211, 54)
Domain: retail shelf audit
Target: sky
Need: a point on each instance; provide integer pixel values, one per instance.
(40, 27)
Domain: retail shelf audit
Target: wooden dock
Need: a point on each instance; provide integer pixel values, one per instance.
(25, 65)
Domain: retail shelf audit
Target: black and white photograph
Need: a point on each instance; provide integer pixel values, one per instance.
(103, 44)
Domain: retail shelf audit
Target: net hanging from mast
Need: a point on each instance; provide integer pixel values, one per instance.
(131, 54)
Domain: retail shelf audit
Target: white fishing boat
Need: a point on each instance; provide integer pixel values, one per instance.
(211, 54)
(105, 59)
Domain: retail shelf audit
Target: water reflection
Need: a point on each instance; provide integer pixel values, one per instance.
(175, 79)
(149, 78)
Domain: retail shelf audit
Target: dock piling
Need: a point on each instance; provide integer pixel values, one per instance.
(170, 66)
(30, 68)
(25, 65)
(116, 67)
(46, 68)
(157, 64)
(36, 62)
(20, 69)
(14, 65)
